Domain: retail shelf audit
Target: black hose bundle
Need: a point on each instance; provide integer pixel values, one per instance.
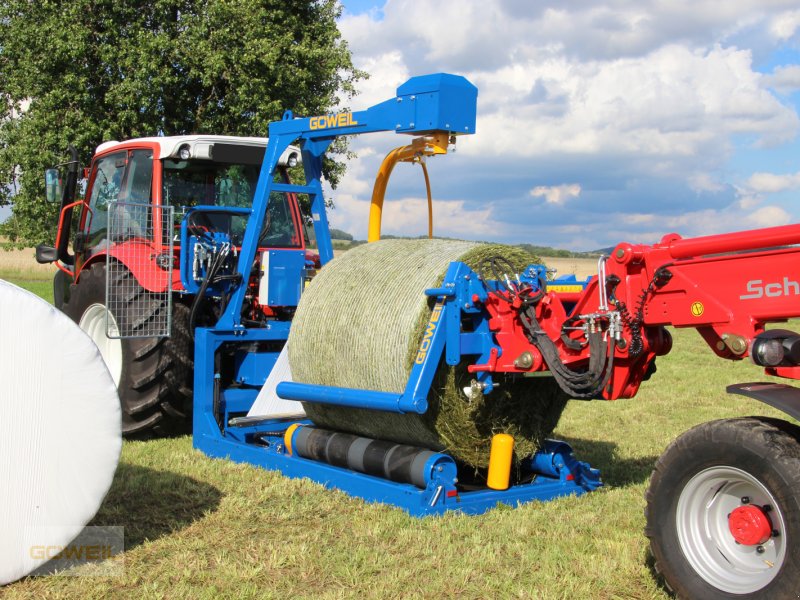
(210, 278)
(585, 384)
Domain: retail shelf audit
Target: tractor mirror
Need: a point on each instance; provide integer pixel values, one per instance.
(52, 184)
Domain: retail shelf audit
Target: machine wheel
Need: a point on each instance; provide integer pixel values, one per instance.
(723, 511)
(153, 375)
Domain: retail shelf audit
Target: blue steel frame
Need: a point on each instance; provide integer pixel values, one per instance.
(554, 469)
(423, 105)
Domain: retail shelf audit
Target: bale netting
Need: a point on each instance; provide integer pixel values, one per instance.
(359, 324)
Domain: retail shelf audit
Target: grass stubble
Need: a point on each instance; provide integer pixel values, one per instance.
(202, 528)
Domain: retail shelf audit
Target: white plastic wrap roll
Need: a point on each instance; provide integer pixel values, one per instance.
(267, 403)
(60, 430)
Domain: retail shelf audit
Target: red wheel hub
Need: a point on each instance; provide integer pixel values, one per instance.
(749, 525)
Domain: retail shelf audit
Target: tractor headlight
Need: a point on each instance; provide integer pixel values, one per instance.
(292, 160)
(184, 152)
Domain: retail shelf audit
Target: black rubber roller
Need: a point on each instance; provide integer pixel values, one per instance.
(396, 462)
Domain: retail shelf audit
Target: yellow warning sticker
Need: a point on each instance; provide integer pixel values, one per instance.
(698, 309)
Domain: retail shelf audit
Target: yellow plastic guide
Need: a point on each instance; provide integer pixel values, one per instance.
(415, 152)
(500, 457)
(287, 437)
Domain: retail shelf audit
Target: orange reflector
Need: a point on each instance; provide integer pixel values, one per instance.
(500, 458)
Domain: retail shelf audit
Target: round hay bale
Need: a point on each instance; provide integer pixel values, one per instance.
(62, 435)
(359, 324)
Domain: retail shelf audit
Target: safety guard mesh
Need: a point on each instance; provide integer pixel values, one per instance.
(140, 236)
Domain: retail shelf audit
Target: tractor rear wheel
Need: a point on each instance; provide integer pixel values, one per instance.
(153, 375)
(723, 510)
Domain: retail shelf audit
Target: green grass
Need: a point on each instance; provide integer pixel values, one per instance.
(43, 289)
(34, 279)
(203, 528)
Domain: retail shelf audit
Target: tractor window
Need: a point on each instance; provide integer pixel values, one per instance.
(138, 183)
(192, 183)
(280, 230)
(132, 214)
(106, 187)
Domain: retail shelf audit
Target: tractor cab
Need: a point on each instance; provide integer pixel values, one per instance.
(180, 173)
(133, 186)
(146, 265)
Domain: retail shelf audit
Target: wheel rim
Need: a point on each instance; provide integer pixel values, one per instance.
(93, 322)
(706, 539)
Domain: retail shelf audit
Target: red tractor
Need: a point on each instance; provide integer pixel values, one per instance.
(119, 284)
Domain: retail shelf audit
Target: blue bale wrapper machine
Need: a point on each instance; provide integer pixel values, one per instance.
(434, 109)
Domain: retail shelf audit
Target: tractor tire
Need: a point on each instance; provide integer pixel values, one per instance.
(153, 375)
(723, 511)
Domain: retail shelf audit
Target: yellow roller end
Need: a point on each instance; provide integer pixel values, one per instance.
(287, 437)
(500, 458)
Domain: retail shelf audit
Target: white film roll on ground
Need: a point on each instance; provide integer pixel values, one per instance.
(60, 430)
(267, 403)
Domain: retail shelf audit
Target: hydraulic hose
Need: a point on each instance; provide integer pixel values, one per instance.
(216, 264)
(578, 384)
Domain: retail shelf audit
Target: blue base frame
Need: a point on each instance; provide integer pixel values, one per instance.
(557, 472)
(437, 498)
(554, 469)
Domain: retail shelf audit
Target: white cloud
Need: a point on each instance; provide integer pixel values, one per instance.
(408, 216)
(386, 72)
(769, 216)
(675, 105)
(784, 79)
(784, 25)
(649, 97)
(704, 182)
(557, 194)
(772, 183)
(649, 228)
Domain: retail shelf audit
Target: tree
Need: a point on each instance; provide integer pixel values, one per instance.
(338, 234)
(95, 70)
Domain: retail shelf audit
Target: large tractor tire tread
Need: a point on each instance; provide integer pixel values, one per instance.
(759, 452)
(155, 386)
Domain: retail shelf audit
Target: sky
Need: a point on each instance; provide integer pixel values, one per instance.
(597, 122)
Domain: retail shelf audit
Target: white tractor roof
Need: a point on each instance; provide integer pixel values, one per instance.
(199, 145)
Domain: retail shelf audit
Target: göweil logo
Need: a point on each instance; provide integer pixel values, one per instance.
(758, 289)
(82, 552)
(343, 119)
(428, 335)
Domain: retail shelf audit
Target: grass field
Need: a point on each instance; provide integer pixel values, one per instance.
(20, 267)
(202, 528)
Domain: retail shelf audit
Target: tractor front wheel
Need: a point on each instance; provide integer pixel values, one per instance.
(723, 511)
(153, 375)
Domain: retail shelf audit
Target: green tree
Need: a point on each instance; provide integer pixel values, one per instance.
(95, 70)
(338, 234)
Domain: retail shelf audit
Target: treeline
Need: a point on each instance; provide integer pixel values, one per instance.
(557, 252)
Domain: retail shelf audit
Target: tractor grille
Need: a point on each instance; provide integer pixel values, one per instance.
(139, 259)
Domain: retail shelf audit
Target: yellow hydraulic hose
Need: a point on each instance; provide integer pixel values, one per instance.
(415, 152)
